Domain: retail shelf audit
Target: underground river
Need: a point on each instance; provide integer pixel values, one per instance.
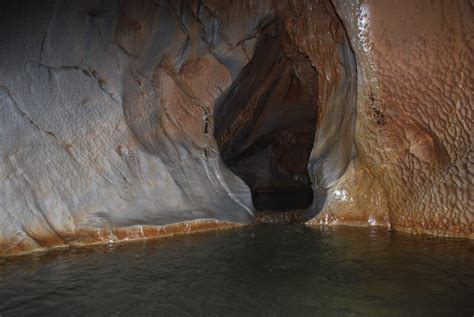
(255, 270)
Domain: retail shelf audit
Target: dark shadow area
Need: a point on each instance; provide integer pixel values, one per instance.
(266, 123)
(283, 200)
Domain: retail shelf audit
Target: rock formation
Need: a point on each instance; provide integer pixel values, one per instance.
(132, 119)
(414, 166)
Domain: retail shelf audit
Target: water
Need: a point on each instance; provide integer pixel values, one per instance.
(263, 270)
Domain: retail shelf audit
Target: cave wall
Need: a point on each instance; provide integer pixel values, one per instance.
(265, 124)
(107, 118)
(414, 128)
(107, 115)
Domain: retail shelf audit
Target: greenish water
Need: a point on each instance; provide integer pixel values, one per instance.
(262, 270)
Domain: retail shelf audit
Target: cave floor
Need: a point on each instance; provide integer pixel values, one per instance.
(257, 270)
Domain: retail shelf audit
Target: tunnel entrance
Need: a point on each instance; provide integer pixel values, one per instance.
(266, 123)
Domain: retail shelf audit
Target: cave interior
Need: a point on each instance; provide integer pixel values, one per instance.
(265, 123)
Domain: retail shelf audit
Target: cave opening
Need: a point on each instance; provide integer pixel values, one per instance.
(266, 122)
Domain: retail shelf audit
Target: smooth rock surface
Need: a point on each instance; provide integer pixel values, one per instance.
(106, 120)
(107, 114)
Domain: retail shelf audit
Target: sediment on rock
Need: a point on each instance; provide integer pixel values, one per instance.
(114, 235)
(129, 114)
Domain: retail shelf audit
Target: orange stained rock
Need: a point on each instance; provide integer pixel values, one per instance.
(114, 235)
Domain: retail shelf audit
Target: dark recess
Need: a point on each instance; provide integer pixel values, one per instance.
(266, 123)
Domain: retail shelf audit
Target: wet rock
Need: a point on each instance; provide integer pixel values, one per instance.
(110, 120)
(415, 69)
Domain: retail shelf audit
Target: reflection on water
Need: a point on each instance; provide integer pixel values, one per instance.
(262, 270)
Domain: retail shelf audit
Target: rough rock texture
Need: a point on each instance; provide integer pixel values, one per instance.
(107, 114)
(357, 198)
(414, 114)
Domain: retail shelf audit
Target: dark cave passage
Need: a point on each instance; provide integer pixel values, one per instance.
(266, 123)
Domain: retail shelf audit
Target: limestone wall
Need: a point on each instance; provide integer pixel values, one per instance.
(107, 115)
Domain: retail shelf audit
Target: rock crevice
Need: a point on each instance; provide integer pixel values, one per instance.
(123, 115)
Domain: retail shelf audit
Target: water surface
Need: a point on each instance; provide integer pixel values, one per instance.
(261, 270)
